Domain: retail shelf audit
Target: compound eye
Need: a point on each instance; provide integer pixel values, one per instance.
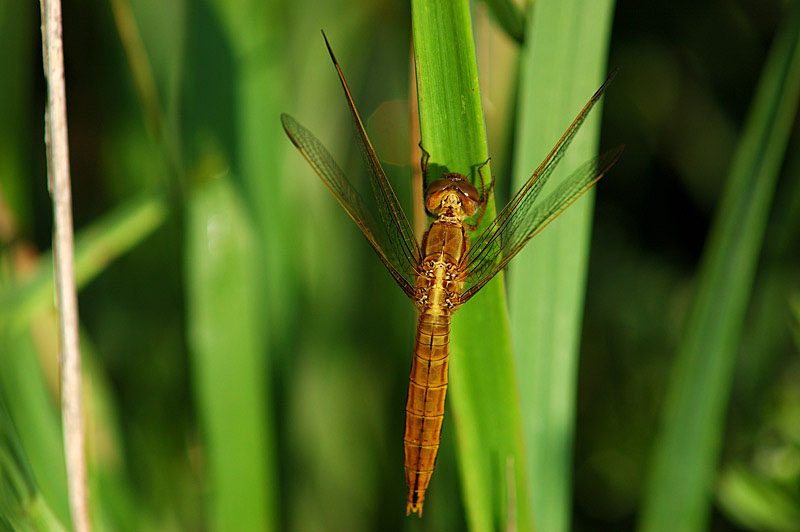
(436, 187)
(469, 190)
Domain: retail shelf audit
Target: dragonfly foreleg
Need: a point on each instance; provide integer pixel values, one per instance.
(485, 194)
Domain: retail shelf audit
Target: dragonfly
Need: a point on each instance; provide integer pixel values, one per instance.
(445, 269)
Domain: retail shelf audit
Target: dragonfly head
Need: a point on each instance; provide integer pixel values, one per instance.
(452, 194)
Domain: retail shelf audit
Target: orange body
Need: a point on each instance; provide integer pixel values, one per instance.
(438, 291)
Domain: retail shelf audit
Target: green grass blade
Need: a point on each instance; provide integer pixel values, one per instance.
(42, 517)
(563, 63)
(687, 448)
(37, 422)
(233, 117)
(16, 97)
(21, 502)
(483, 389)
(256, 33)
(95, 247)
(226, 342)
(115, 502)
(795, 305)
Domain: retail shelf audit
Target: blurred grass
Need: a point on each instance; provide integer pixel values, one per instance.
(15, 102)
(255, 32)
(21, 303)
(95, 248)
(225, 294)
(36, 418)
(686, 452)
(22, 507)
(484, 395)
(231, 147)
(563, 63)
(509, 16)
(758, 504)
(227, 345)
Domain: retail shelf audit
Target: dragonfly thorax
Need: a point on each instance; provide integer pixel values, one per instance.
(452, 196)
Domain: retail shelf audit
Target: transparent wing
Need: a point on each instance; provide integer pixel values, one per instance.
(504, 241)
(391, 235)
(395, 260)
(398, 232)
(522, 218)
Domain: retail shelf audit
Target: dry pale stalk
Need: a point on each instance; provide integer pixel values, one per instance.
(63, 259)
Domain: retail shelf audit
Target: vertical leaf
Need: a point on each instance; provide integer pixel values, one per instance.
(256, 34)
(227, 349)
(15, 101)
(563, 63)
(686, 450)
(483, 389)
(232, 109)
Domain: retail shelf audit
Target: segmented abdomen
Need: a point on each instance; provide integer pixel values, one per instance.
(425, 405)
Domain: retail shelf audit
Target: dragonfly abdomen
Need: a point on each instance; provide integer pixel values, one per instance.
(438, 290)
(425, 406)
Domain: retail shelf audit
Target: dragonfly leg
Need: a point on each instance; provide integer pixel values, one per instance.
(425, 158)
(485, 194)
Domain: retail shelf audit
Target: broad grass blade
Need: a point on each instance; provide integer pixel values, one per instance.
(228, 357)
(562, 64)
(484, 395)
